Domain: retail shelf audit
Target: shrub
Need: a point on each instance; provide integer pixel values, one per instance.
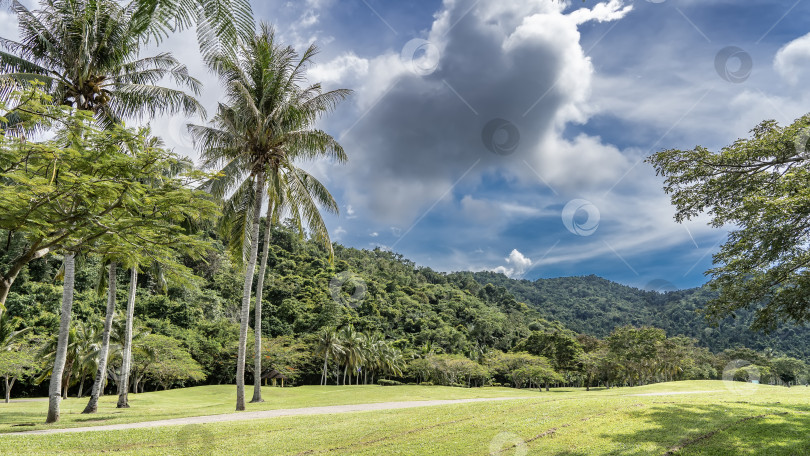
(384, 382)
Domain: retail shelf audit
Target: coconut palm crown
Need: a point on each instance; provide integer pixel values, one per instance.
(86, 52)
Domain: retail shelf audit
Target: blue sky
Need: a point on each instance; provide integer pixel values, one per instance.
(621, 80)
(510, 135)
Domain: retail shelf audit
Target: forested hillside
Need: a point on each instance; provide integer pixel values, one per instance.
(372, 295)
(595, 306)
(375, 291)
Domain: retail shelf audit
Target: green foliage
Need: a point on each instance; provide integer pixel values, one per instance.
(596, 306)
(451, 370)
(18, 360)
(92, 189)
(758, 186)
(167, 362)
(385, 382)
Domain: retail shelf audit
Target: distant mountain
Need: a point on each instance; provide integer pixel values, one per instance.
(595, 306)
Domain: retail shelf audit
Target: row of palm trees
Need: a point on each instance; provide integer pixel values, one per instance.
(84, 354)
(358, 354)
(88, 55)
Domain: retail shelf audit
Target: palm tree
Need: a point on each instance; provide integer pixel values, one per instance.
(300, 193)
(352, 354)
(60, 354)
(392, 359)
(370, 347)
(159, 274)
(126, 355)
(101, 371)
(81, 350)
(328, 346)
(265, 124)
(87, 54)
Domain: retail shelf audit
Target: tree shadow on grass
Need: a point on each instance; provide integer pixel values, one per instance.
(726, 428)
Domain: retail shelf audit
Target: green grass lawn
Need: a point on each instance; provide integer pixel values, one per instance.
(762, 420)
(212, 400)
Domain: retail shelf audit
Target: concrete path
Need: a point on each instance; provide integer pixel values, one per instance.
(243, 416)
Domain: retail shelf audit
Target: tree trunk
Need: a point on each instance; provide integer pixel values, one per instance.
(81, 387)
(8, 389)
(126, 356)
(257, 323)
(245, 313)
(66, 379)
(325, 365)
(54, 397)
(7, 280)
(5, 287)
(345, 368)
(101, 372)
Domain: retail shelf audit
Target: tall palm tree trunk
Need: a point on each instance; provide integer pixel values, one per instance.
(54, 389)
(245, 313)
(126, 362)
(67, 373)
(325, 366)
(101, 372)
(81, 387)
(257, 324)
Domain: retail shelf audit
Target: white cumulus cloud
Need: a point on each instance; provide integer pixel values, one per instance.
(518, 264)
(792, 62)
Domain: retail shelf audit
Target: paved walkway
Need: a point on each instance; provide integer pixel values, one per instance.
(242, 416)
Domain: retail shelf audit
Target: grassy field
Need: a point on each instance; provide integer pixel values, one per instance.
(213, 400)
(707, 418)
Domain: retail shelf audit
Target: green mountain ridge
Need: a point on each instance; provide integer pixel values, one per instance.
(595, 306)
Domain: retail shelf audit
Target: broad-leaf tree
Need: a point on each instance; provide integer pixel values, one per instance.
(87, 55)
(757, 187)
(80, 189)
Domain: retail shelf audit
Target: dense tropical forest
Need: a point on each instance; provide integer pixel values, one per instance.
(595, 306)
(379, 316)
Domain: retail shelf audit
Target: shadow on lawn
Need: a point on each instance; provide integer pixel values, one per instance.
(738, 428)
